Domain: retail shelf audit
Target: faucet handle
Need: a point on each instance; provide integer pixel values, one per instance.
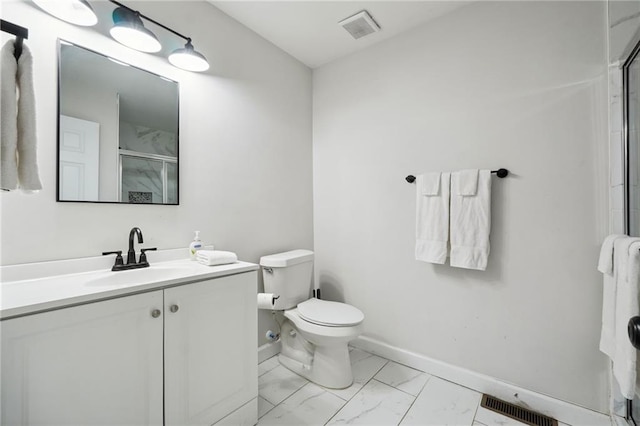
(118, 254)
(143, 256)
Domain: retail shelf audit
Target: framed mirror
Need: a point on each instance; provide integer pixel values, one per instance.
(117, 131)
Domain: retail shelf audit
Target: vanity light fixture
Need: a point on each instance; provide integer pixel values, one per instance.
(78, 12)
(129, 30)
(186, 58)
(189, 59)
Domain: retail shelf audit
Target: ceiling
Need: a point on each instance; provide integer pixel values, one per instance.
(309, 30)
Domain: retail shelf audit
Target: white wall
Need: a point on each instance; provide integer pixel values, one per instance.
(245, 147)
(520, 85)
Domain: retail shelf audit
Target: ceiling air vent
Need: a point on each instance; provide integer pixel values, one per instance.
(360, 24)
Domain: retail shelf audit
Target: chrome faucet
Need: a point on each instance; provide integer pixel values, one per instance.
(131, 254)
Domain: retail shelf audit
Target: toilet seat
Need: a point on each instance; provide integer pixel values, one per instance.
(330, 314)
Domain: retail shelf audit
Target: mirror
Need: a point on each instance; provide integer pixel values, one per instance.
(118, 131)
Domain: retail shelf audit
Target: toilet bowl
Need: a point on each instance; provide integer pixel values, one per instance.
(314, 333)
(326, 361)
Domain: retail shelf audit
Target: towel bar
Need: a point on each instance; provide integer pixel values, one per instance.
(501, 173)
(21, 33)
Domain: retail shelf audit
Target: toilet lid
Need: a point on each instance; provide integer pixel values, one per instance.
(324, 312)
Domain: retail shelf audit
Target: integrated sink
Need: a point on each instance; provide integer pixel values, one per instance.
(151, 274)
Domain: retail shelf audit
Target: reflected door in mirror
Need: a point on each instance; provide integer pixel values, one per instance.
(79, 159)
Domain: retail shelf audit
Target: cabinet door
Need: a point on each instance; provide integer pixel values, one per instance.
(95, 364)
(210, 349)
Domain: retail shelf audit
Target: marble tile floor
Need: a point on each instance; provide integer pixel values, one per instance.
(383, 393)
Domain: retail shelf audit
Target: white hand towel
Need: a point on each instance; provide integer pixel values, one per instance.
(471, 224)
(432, 218)
(8, 118)
(216, 257)
(430, 183)
(605, 262)
(467, 182)
(624, 363)
(28, 177)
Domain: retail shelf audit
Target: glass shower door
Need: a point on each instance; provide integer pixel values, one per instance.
(148, 179)
(631, 92)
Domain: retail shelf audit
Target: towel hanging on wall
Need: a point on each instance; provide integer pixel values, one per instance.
(470, 219)
(18, 144)
(453, 213)
(432, 217)
(9, 119)
(620, 302)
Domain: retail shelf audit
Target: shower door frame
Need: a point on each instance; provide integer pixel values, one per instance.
(630, 56)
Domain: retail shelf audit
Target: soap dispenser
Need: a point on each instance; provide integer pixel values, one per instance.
(195, 245)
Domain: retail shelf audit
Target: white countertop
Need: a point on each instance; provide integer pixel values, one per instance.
(40, 293)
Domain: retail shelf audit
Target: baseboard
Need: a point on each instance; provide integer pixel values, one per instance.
(268, 350)
(562, 411)
(247, 415)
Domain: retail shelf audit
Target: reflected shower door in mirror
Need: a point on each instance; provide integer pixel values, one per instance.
(118, 131)
(631, 85)
(147, 179)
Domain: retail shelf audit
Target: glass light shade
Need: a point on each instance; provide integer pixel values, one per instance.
(129, 30)
(138, 38)
(188, 59)
(78, 12)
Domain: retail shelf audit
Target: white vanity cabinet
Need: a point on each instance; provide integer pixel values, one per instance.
(183, 355)
(210, 354)
(94, 364)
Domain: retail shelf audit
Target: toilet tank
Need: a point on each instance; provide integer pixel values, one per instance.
(288, 275)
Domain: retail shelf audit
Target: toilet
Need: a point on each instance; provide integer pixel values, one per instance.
(315, 333)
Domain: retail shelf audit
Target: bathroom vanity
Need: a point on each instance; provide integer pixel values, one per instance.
(172, 344)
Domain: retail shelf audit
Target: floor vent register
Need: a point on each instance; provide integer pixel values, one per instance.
(518, 413)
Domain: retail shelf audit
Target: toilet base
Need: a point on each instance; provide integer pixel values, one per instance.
(330, 366)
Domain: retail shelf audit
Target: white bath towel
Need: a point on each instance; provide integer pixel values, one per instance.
(620, 253)
(28, 176)
(432, 218)
(8, 119)
(18, 144)
(608, 329)
(606, 266)
(605, 262)
(467, 182)
(471, 224)
(624, 361)
(215, 257)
